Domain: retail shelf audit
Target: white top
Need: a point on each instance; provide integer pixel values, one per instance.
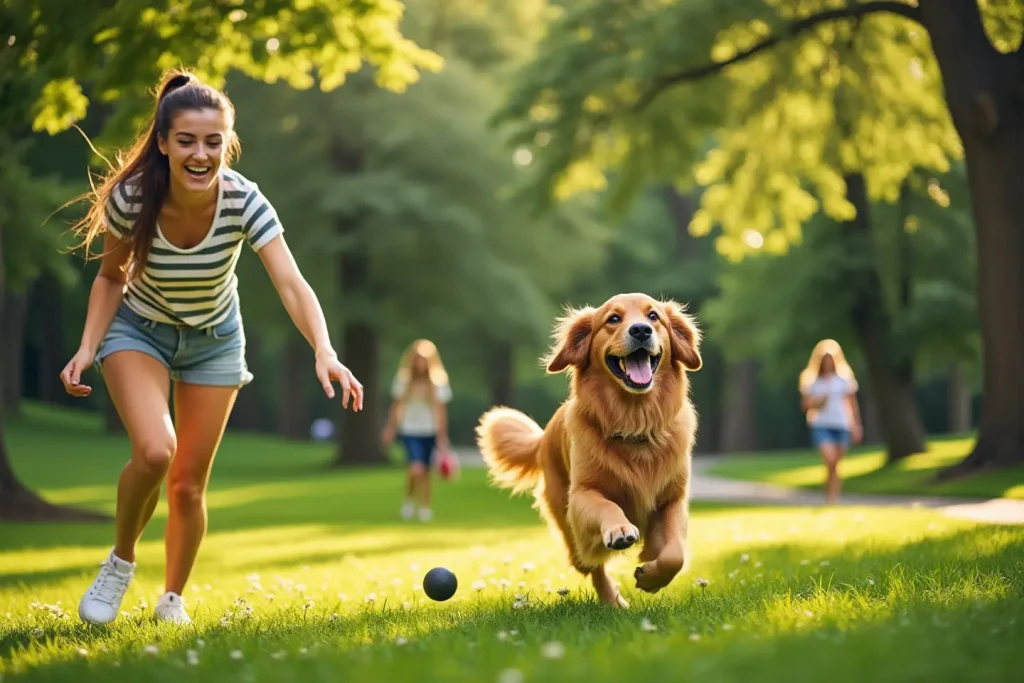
(834, 414)
(196, 286)
(417, 418)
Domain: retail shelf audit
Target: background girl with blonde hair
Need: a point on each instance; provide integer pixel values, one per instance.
(420, 394)
(828, 390)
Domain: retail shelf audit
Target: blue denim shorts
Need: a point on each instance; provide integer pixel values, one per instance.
(832, 435)
(419, 448)
(211, 356)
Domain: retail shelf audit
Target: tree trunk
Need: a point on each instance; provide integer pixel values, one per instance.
(985, 93)
(959, 399)
(14, 309)
(293, 411)
(682, 208)
(359, 433)
(738, 425)
(46, 297)
(889, 365)
(17, 501)
(501, 372)
(869, 415)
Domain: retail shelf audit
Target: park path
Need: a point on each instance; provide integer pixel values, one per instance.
(711, 488)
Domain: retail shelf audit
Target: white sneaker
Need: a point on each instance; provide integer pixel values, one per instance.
(408, 510)
(171, 607)
(426, 514)
(102, 602)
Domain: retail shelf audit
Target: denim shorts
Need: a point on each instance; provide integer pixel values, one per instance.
(419, 448)
(832, 435)
(212, 356)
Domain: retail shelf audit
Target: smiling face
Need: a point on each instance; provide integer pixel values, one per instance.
(195, 148)
(631, 338)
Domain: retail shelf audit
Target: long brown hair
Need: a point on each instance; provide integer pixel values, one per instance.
(144, 163)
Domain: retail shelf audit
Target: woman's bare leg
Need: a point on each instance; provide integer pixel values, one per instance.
(201, 414)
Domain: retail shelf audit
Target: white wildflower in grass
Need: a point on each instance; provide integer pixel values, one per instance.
(493, 581)
(527, 566)
(371, 597)
(804, 563)
(726, 627)
(300, 588)
(694, 636)
(82, 651)
(507, 560)
(200, 643)
(513, 632)
(396, 581)
(417, 587)
(510, 676)
(504, 584)
(563, 592)
(757, 565)
(401, 640)
(303, 651)
(503, 636)
(808, 613)
(744, 557)
(236, 654)
(192, 657)
(521, 584)
(151, 650)
(37, 632)
(702, 582)
(414, 567)
(646, 625)
(552, 650)
(871, 582)
(343, 597)
(279, 655)
(479, 585)
(825, 563)
(406, 604)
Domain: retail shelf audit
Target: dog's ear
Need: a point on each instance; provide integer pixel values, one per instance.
(572, 340)
(684, 335)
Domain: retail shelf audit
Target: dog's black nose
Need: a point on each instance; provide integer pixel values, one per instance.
(641, 331)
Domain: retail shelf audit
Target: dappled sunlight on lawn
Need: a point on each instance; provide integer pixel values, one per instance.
(864, 471)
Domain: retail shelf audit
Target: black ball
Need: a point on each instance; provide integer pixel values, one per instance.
(440, 584)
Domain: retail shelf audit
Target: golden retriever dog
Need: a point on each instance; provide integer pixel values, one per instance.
(612, 466)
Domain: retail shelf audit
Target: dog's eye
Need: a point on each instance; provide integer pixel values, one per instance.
(615, 319)
(652, 316)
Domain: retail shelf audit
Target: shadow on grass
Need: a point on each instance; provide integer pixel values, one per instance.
(938, 609)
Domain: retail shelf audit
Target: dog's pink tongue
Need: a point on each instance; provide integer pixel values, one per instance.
(638, 369)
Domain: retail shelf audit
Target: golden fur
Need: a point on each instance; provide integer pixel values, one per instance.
(612, 466)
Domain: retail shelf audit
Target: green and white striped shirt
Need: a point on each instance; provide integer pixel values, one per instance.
(197, 286)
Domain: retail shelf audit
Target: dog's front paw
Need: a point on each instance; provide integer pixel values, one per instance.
(652, 576)
(620, 537)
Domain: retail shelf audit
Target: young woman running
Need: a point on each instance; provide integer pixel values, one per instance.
(164, 308)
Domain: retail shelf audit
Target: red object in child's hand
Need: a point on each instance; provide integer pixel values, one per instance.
(447, 464)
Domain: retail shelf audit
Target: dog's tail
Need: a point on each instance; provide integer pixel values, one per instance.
(510, 444)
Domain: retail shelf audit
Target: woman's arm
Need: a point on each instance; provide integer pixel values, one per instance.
(441, 418)
(304, 309)
(857, 429)
(104, 299)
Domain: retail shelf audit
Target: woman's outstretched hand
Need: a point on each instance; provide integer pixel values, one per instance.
(329, 369)
(71, 375)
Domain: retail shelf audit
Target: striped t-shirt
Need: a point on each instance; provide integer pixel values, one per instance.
(197, 286)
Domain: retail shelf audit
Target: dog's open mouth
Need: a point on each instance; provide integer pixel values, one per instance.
(635, 370)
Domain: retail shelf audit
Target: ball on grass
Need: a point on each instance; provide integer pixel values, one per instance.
(440, 584)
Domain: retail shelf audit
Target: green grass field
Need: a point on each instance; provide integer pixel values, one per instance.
(864, 471)
(309, 575)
